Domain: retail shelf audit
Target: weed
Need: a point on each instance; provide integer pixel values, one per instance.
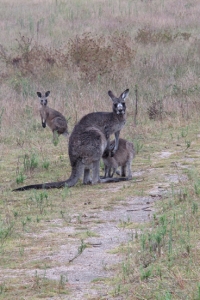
(197, 187)
(194, 207)
(145, 273)
(188, 144)
(62, 282)
(198, 293)
(143, 239)
(184, 132)
(2, 288)
(46, 164)
(82, 247)
(155, 110)
(21, 251)
(167, 296)
(20, 178)
(117, 290)
(55, 138)
(138, 145)
(66, 216)
(125, 269)
(40, 199)
(66, 192)
(6, 231)
(30, 162)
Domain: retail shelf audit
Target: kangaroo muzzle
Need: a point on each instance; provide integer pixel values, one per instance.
(120, 109)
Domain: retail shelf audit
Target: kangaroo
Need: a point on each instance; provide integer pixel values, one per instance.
(122, 158)
(53, 118)
(87, 143)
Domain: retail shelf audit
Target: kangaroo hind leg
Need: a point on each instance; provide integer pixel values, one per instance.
(95, 172)
(86, 176)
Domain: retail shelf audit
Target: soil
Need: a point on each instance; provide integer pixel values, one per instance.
(85, 269)
(86, 272)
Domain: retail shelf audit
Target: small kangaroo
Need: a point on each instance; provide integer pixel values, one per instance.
(87, 143)
(53, 118)
(122, 158)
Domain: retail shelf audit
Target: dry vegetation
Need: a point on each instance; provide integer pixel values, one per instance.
(79, 50)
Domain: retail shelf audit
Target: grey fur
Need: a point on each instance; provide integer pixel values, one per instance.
(53, 118)
(87, 143)
(122, 158)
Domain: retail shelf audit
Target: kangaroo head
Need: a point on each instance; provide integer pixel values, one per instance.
(119, 106)
(43, 98)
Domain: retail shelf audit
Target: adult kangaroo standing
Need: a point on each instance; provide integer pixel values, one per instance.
(87, 143)
(53, 118)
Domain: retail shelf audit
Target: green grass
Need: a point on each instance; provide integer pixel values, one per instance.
(163, 261)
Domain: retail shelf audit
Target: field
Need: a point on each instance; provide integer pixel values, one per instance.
(133, 240)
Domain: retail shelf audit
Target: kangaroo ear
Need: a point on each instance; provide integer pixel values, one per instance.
(47, 94)
(111, 95)
(124, 94)
(39, 94)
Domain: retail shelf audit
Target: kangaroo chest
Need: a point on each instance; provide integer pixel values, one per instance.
(118, 125)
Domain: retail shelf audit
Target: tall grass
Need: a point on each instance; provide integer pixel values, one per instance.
(152, 44)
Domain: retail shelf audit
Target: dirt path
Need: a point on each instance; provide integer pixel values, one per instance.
(82, 263)
(86, 270)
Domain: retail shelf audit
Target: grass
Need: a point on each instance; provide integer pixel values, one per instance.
(80, 50)
(165, 256)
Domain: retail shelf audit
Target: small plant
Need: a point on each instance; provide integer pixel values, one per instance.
(117, 290)
(184, 132)
(62, 282)
(40, 199)
(155, 110)
(188, 144)
(30, 162)
(82, 247)
(138, 145)
(167, 296)
(197, 187)
(198, 293)
(194, 207)
(24, 224)
(46, 164)
(66, 192)
(2, 288)
(20, 178)
(6, 231)
(125, 269)
(143, 239)
(65, 216)
(55, 138)
(145, 273)
(15, 214)
(21, 251)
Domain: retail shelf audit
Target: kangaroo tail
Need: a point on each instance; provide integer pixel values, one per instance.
(75, 175)
(50, 185)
